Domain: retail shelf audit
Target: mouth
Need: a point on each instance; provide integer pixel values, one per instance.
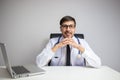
(68, 33)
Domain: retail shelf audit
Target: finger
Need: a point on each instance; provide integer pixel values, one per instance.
(64, 39)
(70, 39)
(63, 43)
(67, 41)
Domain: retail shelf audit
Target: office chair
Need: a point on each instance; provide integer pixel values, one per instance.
(53, 35)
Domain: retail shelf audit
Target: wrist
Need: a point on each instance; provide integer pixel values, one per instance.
(82, 49)
(54, 49)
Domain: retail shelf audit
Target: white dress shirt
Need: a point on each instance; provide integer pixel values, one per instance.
(59, 58)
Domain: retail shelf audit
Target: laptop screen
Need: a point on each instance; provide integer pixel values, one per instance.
(5, 57)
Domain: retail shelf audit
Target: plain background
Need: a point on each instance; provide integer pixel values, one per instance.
(25, 26)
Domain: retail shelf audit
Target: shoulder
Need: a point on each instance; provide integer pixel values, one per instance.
(54, 40)
(82, 41)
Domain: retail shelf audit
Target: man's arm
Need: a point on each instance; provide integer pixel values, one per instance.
(45, 56)
(91, 58)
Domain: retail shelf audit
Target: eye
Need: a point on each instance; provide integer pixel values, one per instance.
(70, 26)
(65, 26)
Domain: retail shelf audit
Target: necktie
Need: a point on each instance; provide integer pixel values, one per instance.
(68, 56)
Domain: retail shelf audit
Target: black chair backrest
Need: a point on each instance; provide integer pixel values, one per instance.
(53, 35)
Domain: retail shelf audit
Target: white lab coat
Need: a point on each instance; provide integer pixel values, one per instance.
(58, 58)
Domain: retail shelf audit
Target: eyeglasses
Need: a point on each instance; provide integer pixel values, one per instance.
(66, 26)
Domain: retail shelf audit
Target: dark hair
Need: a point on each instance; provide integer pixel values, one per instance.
(67, 18)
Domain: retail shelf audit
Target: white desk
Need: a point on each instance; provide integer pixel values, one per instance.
(69, 73)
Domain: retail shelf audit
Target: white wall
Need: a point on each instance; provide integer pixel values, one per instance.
(25, 26)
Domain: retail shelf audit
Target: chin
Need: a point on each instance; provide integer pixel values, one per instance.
(69, 36)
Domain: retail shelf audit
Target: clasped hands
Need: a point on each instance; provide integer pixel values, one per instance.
(68, 41)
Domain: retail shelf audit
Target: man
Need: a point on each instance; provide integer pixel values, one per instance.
(58, 49)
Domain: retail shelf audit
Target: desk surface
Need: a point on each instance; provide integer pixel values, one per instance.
(69, 73)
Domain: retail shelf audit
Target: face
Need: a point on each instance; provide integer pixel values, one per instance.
(68, 29)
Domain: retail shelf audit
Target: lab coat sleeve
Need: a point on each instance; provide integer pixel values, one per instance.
(91, 58)
(45, 56)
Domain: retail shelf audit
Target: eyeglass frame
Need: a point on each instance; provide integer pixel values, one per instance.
(66, 26)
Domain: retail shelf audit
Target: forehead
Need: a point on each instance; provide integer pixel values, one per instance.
(69, 22)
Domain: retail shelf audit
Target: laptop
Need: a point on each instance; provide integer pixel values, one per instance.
(20, 70)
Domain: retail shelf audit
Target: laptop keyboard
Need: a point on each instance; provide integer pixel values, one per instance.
(20, 70)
